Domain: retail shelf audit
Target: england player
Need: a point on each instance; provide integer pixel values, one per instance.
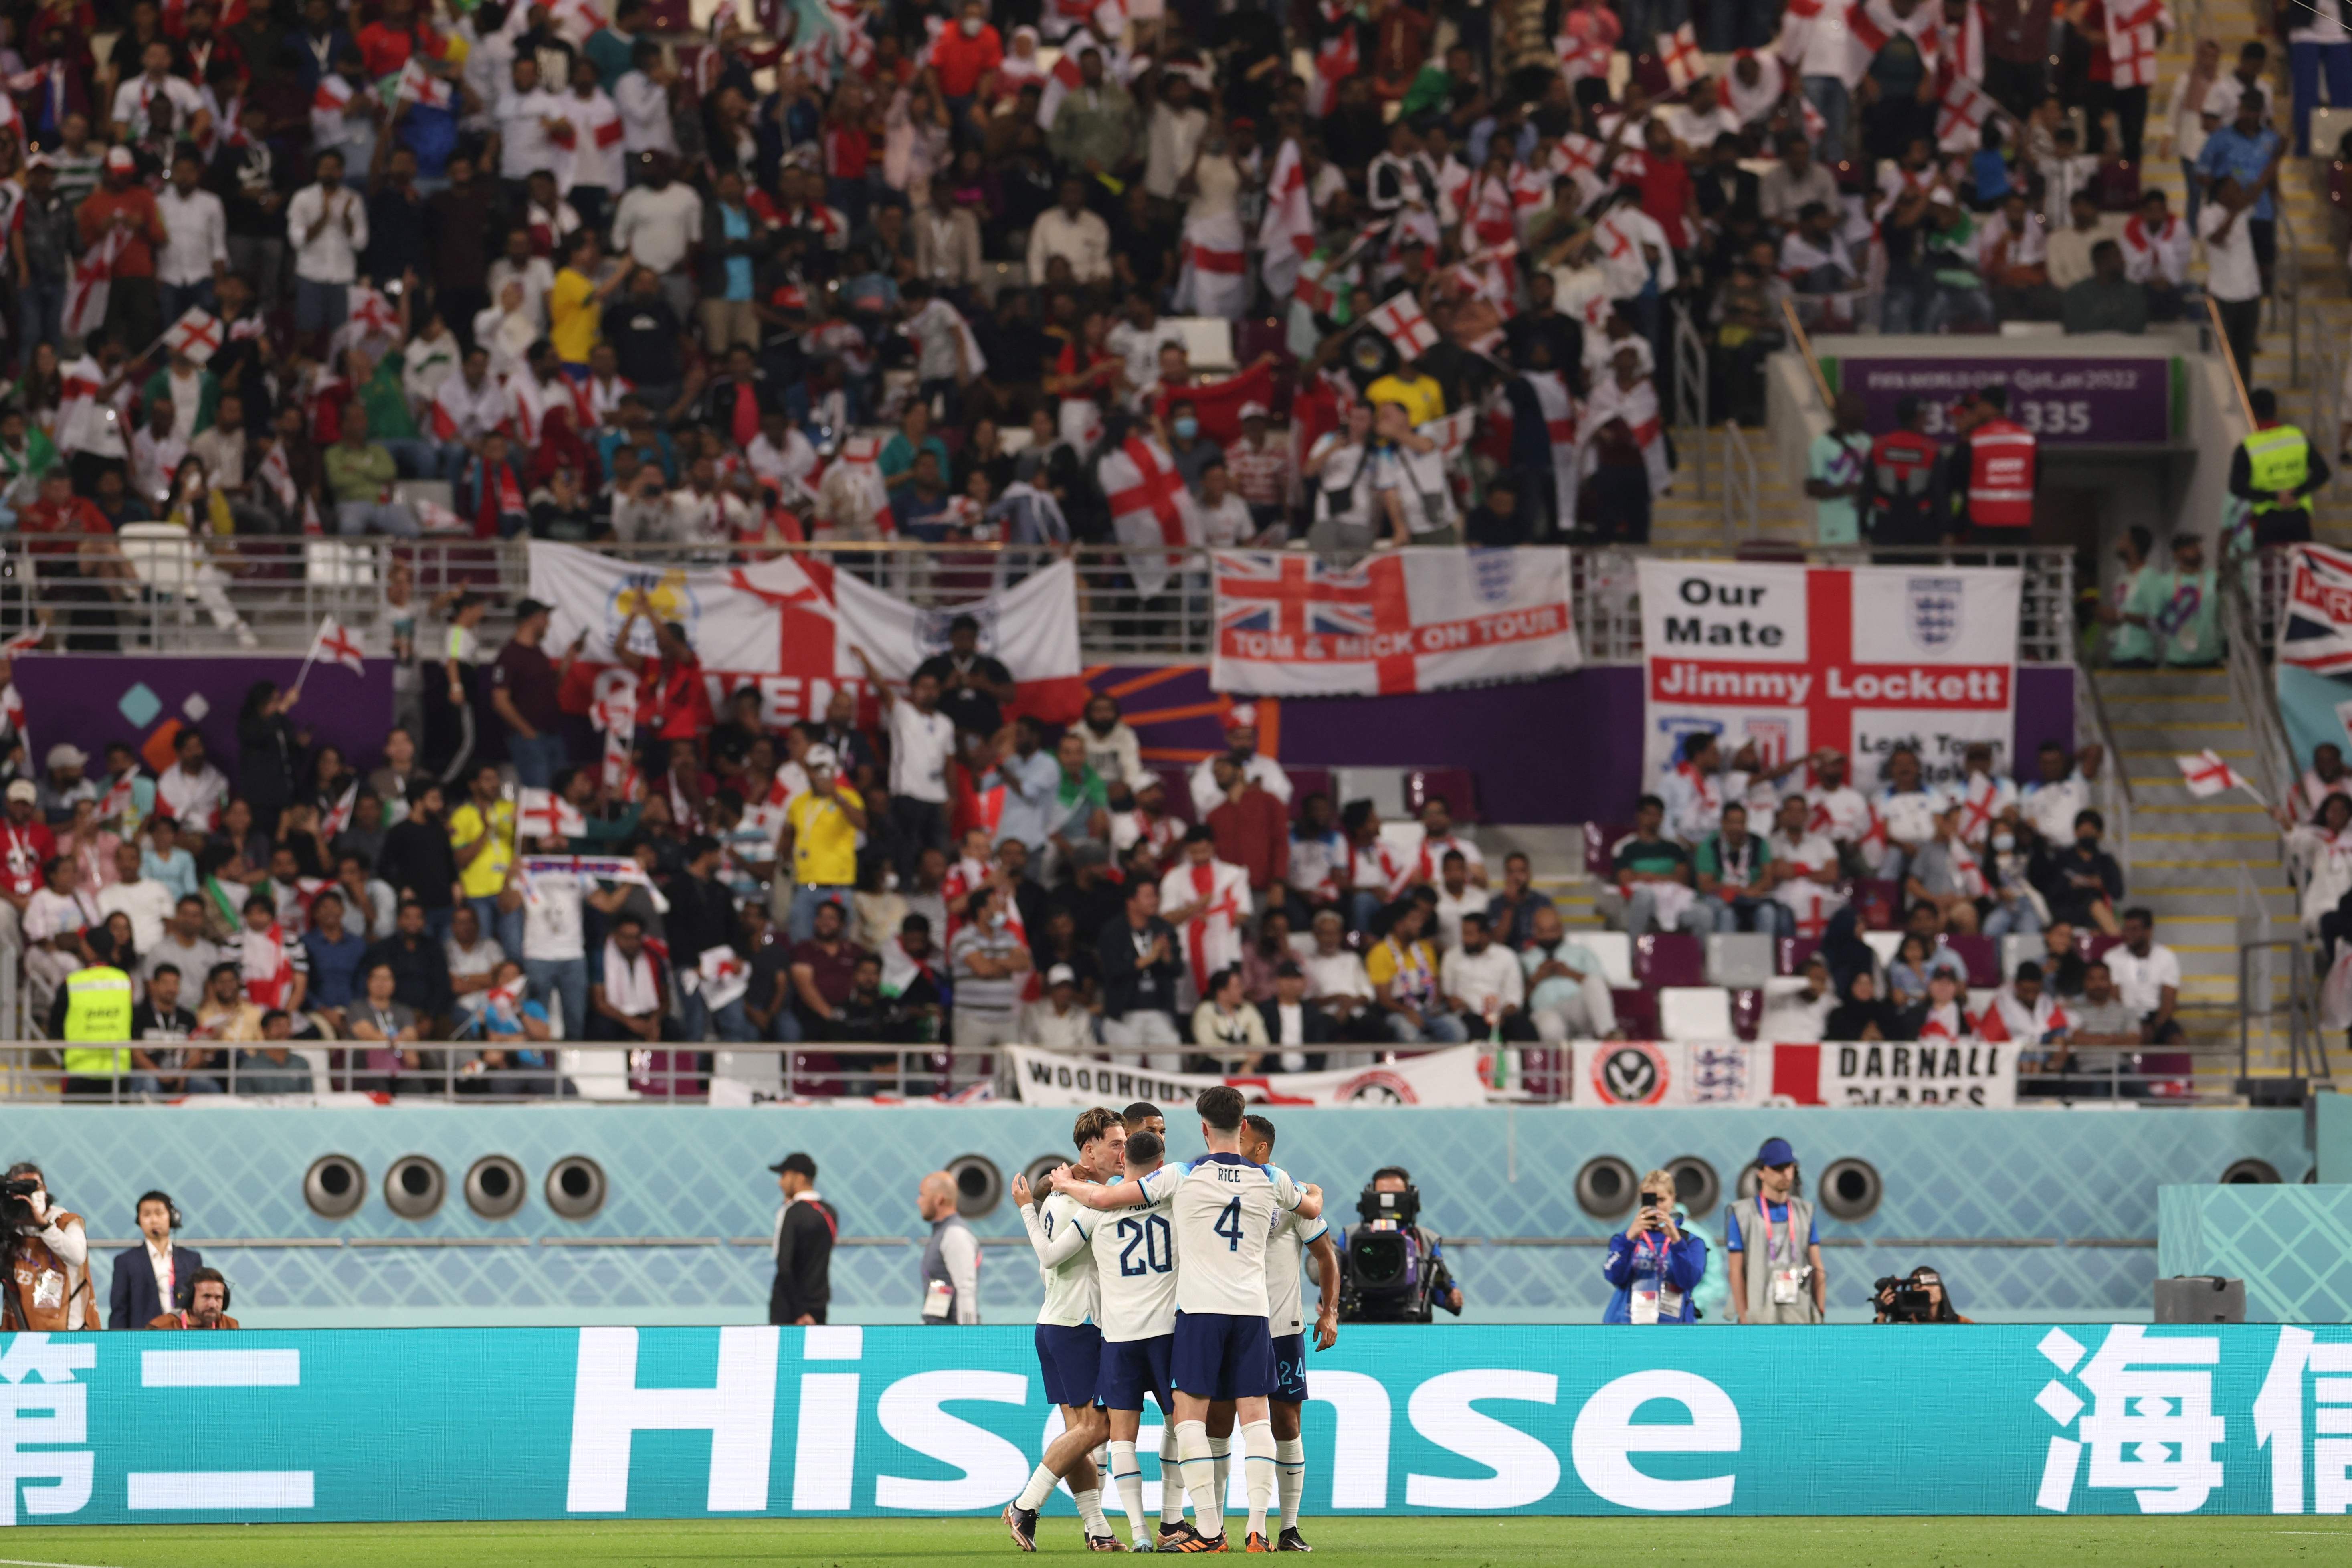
(1135, 1264)
(1285, 1319)
(1224, 1210)
(1069, 1344)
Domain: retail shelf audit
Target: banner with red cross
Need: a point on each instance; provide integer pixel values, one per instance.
(1400, 321)
(1793, 658)
(198, 334)
(1290, 624)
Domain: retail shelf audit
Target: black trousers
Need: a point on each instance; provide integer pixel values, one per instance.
(779, 1309)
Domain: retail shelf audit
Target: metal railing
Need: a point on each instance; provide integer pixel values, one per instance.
(724, 1074)
(282, 586)
(2111, 791)
(1690, 368)
(2286, 292)
(1742, 489)
(2245, 657)
(2259, 956)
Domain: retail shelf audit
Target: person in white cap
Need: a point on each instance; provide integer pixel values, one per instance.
(821, 825)
(1241, 744)
(63, 782)
(1260, 466)
(1055, 1022)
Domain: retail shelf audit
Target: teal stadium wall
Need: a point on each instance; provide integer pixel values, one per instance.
(2291, 1244)
(2029, 1181)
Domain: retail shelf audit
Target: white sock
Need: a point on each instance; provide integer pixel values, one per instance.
(1126, 1475)
(1042, 1482)
(1171, 1477)
(1200, 1477)
(1290, 1476)
(1257, 1471)
(1219, 1450)
(1090, 1513)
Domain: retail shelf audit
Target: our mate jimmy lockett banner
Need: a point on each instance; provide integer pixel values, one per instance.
(1862, 659)
(834, 1422)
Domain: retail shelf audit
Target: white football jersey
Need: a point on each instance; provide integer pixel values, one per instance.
(1224, 1209)
(1135, 1269)
(1284, 1282)
(1058, 1230)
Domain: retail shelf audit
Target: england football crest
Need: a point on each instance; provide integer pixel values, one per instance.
(931, 628)
(1934, 610)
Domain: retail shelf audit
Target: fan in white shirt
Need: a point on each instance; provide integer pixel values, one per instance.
(2157, 245)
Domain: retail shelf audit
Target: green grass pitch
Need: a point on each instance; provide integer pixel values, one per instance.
(1408, 1542)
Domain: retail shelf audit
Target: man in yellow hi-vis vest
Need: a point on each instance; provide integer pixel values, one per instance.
(92, 1015)
(2273, 471)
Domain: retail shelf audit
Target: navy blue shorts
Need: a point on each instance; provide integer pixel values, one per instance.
(1220, 1356)
(1133, 1368)
(1290, 1369)
(1070, 1356)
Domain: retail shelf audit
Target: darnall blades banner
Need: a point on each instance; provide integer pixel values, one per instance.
(1290, 624)
(788, 626)
(1863, 658)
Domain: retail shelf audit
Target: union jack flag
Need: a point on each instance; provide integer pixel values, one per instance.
(1296, 595)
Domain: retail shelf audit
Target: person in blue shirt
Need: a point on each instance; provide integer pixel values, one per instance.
(2249, 152)
(1774, 1277)
(335, 953)
(1653, 1262)
(165, 861)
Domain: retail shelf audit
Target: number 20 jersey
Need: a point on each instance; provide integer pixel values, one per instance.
(1135, 1269)
(1224, 1208)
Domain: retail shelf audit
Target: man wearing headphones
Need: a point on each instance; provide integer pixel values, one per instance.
(153, 1277)
(208, 1304)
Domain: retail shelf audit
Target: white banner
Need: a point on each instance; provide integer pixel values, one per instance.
(1031, 627)
(1976, 1074)
(786, 626)
(1447, 1078)
(1863, 659)
(1290, 624)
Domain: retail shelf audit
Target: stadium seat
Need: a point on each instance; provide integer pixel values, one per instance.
(1975, 951)
(1305, 782)
(1693, 1013)
(1179, 792)
(1455, 786)
(1885, 943)
(1738, 959)
(599, 1073)
(1878, 904)
(1747, 1011)
(1208, 341)
(2094, 945)
(1637, 1012)
(1384, 787)
(1015, 441)
(332, 563)
(2017, 949)
(762, 1073)
(1614, 949)
(1597, 837)
(1669, 958)
(1794, 951)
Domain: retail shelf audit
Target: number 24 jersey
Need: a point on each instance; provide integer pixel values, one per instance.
(1224, 1208)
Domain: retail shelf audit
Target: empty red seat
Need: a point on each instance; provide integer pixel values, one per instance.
(1305, 782)
(1878, 904)
(1747, 1011)
(1795, 950)
(1597, 837)
(1455, 786)
(1978, 953)
(1669, 958)
(1637, 1013)
(2094, 945)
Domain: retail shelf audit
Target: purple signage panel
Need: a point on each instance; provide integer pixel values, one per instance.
(2065, 402)
(91, 699)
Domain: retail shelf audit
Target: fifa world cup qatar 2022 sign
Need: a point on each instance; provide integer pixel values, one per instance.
(901, 1422)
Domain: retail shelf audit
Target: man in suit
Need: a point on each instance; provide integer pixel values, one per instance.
(1291, 1026)
(155, 1277)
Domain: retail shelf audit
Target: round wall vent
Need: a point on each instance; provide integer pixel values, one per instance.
(980, 1185)
(574, 1187)
(2250, 1172)
(1606, 1187)
(1696, 1186)
(495, 1187)
(414, 1186)
(334, 1186)
(1850, 1189)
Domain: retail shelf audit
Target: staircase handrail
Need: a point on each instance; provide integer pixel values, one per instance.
(2251, 691)
(1741, 486)
(1690, 393)
(2111, 790)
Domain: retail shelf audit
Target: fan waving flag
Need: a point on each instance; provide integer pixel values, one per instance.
(93, 280)
(1059, 83)
(1678, 52)
(1287, 235)
(1960, 122)
(2206, 773)
(1150, 505)
(1400, 321)
(196, 334)
(337, 645)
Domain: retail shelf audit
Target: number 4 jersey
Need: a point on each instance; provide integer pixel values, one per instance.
(1224, 1208)
(1135, 1269)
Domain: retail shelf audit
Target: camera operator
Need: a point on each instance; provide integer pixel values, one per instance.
(48, 1259)
(1654, 1264)
(1384, 1292)
(1917, 1298)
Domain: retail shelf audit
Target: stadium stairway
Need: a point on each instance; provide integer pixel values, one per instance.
(2195, 863)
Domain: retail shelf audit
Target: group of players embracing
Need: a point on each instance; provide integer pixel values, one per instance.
(1181, 1280)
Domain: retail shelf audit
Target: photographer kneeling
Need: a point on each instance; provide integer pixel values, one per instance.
(1654, 1263)
(1917, 1298)
(48, 1259)
(1392, 1270)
